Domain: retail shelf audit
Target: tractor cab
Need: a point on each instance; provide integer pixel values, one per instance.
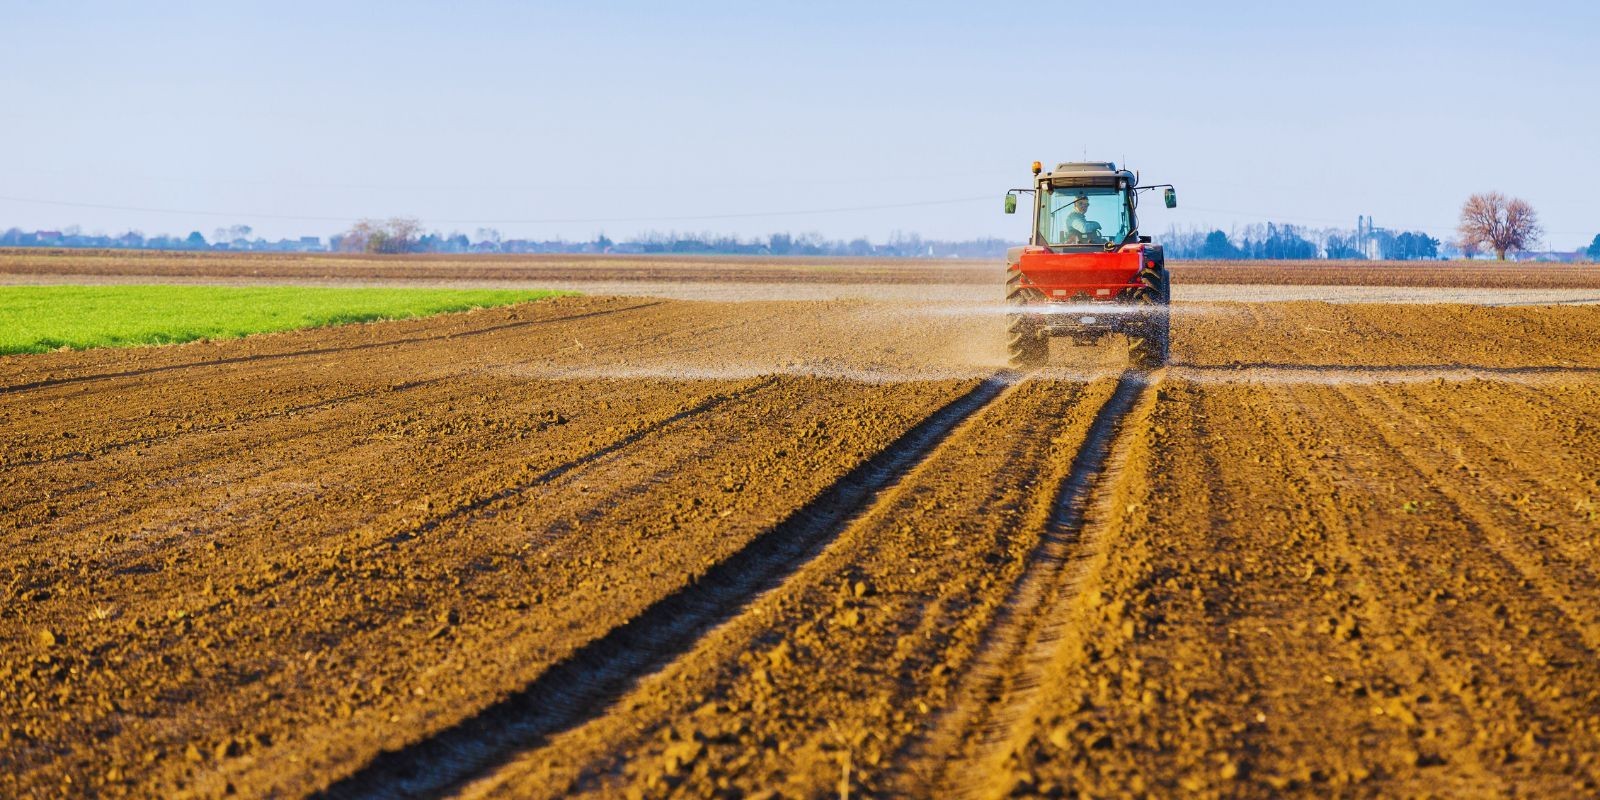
(1084, 204)
(1082, 216)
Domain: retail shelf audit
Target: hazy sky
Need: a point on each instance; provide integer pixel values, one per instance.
(566, 119)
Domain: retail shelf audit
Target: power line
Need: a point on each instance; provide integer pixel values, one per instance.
(548, 221)
(988, 176)
(740, 215)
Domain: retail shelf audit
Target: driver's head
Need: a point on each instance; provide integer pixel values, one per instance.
(1082, 203)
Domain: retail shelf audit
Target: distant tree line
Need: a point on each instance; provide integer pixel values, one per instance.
(406, 235)
(234, 238)
(1297, 243)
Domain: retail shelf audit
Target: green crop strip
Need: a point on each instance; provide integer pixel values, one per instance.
(38, 319)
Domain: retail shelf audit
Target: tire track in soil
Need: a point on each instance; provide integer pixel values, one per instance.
(394, 579)
(853, 652)
(587, 683)
(1001, 684)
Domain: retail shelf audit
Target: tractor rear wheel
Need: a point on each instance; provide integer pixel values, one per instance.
(1152, 349)
(1026, 347)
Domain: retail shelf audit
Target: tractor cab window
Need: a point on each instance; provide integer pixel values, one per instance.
(1087, 215)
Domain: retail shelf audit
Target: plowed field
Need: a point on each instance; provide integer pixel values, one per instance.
(653, 547)
(660, 272)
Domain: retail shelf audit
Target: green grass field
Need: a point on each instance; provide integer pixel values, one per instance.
(38, 319)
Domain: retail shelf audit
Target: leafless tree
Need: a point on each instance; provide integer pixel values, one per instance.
(1499, 224)
(396, 235)
(358, 238)
(401, 235)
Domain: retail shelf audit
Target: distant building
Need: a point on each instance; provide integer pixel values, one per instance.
(1369, 238)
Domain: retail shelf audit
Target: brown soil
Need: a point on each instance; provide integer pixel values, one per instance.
(651, 547)
(1455, 274)
(1399, 341)
(88, 265)
(1378, 590)
(532, 269)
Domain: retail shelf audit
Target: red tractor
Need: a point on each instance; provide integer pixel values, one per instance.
(1086, 271)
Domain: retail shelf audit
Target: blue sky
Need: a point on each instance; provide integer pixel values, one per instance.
(623, 117)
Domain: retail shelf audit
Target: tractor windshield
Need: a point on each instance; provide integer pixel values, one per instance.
(1086, 215)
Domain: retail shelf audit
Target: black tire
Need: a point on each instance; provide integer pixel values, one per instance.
(1153, 348)
(1154, 290)
(1025, 346)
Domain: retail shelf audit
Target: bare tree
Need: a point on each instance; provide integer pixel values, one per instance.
(402, 234)
(358, 239)
(1499, 224)
(396, 235)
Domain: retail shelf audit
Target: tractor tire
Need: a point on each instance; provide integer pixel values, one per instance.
(1027, 349)
(1153, 348)
(1154, 289)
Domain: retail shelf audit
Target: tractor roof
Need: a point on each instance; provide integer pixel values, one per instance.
(1086, 173)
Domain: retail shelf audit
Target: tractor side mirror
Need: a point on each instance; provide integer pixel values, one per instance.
(1011, 204)
(1171, 196)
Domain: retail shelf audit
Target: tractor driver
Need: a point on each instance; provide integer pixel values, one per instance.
(1079, 229)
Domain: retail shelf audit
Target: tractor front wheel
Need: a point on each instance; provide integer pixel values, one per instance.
(1027, 348)
(1152, 349)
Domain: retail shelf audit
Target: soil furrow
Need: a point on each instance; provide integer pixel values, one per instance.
(1365, 614)
(773, 699)
(459, 512)
(1530, 451)
(1003, 681)
(1484, 634)
(189, 478)
(103, 449)
(1514, 538)
(588, 681)
(375, 606)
